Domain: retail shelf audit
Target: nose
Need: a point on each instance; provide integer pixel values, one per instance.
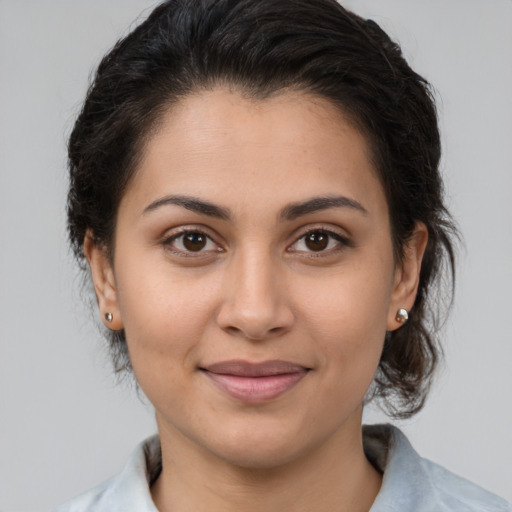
(255, 304)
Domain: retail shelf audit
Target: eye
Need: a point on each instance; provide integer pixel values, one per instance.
(191, 241)
(319, 240)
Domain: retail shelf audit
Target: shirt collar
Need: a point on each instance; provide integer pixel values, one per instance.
(130, 490)
(409, 482)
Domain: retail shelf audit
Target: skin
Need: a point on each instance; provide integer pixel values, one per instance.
(256, 292)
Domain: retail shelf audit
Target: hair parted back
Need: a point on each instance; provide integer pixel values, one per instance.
(262, 47)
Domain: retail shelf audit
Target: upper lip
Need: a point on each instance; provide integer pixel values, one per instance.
(242, 368)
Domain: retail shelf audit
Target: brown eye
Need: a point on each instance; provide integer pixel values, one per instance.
(316, 241)
(320, 241)
(194, 241)
(191, 242)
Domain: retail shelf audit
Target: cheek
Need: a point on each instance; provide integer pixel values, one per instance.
(166, 317)
(346, 314)
(164, 312)
(351, 341)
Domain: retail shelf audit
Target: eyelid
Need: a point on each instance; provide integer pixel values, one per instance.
(343, 239)
(173, 234)
(176, 233)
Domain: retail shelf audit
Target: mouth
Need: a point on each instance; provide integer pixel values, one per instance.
(255, 382)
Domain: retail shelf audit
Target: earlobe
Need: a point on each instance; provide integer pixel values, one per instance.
(103, 278)
(407, 277)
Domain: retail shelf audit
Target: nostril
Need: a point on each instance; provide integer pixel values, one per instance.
(232, 330)
(254, 334)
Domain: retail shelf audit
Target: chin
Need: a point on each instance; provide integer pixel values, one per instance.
(261, 446)
(260, 456)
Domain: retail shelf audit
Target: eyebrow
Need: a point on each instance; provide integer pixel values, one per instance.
(290, 212)
(317, 204)
(193, 204)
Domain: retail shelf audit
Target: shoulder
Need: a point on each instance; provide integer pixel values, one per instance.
(89, 501)
(129, 491)
(461, 494)
(413, 483)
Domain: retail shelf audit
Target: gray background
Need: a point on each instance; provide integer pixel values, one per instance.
(64, 423)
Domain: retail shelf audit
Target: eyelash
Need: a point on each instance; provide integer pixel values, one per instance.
(168, 242)
(341, 242)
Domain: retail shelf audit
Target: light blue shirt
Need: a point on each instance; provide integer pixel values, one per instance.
(410, 483)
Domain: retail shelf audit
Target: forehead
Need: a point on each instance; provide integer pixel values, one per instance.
(283, 148)
(227, 118)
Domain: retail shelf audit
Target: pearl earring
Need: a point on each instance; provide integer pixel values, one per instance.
(402, 316)
(109, 317)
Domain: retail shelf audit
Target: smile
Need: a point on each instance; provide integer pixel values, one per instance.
(255, 383)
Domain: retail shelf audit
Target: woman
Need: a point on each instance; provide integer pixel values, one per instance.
(255, 188)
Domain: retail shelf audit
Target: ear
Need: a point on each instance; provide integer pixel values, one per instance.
(104, 282)
(407, 275)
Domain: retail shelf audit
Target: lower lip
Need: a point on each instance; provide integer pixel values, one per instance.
(256, 389)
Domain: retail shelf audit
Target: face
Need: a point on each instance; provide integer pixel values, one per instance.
(254, 276)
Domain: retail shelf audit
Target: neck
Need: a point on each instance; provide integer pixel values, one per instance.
(334, 477)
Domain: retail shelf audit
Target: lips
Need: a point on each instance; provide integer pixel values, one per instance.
(255, 382)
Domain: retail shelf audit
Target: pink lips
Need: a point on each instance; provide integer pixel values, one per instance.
(253, 383)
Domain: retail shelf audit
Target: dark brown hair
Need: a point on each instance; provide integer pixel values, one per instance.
(261, 47)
